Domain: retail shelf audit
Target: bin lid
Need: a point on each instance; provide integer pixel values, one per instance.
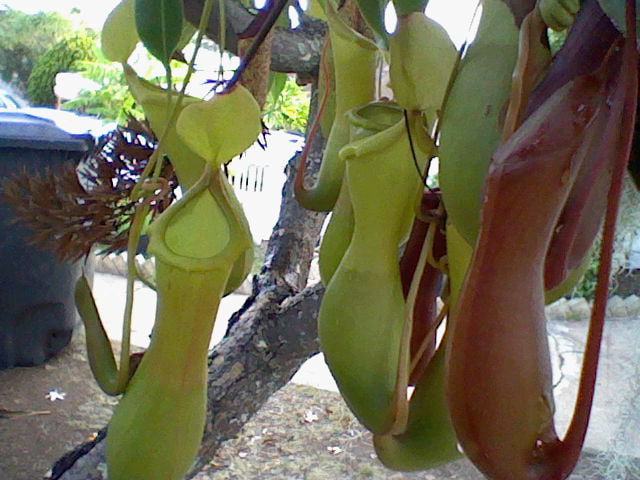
(24, 130)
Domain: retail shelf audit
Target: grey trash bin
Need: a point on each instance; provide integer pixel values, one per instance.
(37, 309)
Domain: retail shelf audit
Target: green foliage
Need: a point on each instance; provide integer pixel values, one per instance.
(65, 56)
(112, 101)
(288, 109)
(556, 39)
(159, 24)
(587, 286)
(277, 81)
(25, 38)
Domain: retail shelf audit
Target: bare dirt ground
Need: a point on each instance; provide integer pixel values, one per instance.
(301, 433)
(47, 410)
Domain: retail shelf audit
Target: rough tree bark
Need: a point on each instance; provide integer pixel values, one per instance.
(266, 343)
(294, 50)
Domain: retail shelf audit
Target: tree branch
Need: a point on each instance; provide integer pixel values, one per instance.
(294, 50)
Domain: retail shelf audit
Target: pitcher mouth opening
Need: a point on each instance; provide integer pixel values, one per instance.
(374, 117)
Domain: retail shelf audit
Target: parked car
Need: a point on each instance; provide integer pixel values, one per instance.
(9, 99)
(72, 122)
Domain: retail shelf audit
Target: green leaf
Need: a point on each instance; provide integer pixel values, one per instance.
(119, 36)
(159, 24)
(222, 127)
(615, 10)
(277, 81)
(373, 13)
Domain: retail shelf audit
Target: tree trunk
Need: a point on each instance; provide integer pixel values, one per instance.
(267, 340)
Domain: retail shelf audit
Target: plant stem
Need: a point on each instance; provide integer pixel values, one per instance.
(275, 9)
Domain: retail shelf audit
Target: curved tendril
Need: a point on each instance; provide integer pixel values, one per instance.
(533, 59)
(428, 339)
(275, 9)
(298, 186)
(222, 36)
(402, 381)
(423, 175)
